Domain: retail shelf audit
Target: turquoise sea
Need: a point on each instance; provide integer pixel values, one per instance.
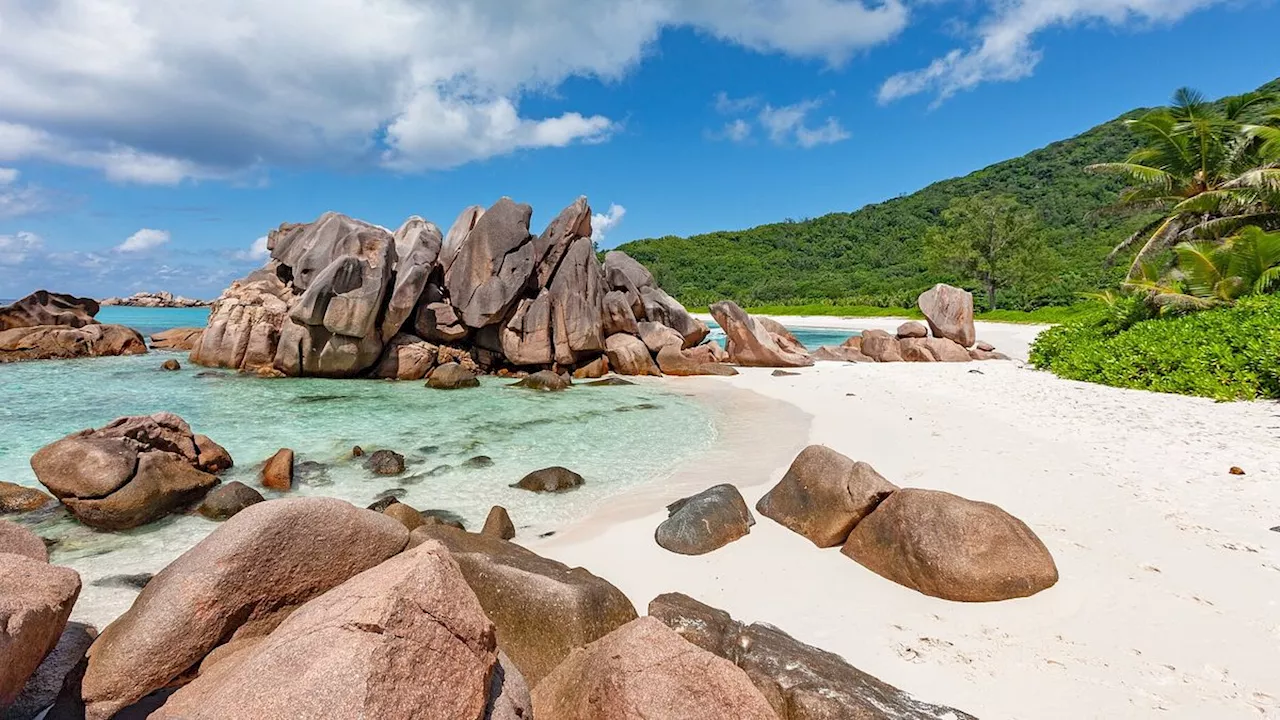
(463, 448)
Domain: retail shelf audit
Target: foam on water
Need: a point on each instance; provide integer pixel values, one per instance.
(616, 437)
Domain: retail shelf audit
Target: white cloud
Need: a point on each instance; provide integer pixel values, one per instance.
(15, 248)
(726, 105)
(1003, 49)
(257, 252)
(737, 131)
(8, 176)
(160, 92)
(143, 240)
(603, 223)
(788, 123)
(17, 200)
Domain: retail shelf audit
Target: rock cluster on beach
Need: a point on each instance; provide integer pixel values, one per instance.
(162, 299)
(45, 326)
(314, 608)
(934, 542)
(344, 298)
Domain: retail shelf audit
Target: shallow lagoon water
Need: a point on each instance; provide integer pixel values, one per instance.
(616, 437)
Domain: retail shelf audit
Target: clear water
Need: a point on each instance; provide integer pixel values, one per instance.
(616, 437)
(153, 320)
(812, 338)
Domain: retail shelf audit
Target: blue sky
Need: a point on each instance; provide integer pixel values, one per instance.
(147, 146)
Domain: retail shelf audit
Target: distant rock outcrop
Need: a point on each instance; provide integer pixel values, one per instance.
(49, 326)
(160, 299)
(343, 298)
(751, 343)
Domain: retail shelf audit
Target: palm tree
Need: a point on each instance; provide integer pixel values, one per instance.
(1208, 273)
(1207, 171)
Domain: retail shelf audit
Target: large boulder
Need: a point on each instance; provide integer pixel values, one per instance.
(949, 312)
(542, 609)
(35, 601)
(550, 248)
(417, 247)
(277, 471)
(628, 355)
(674, 361)
(645, 670)
(783, 336)
(526, 338)
(457, 236)
(404, 639)
(577, 295)
(269, 558)
(618, 315)
(61, 342)
(799, 681)
(704, 522)
(656, 336)
(880, 346)
(824, 495)
(952, 548)
(438, 322)
(47, 683)
(48, 308)
(131, 472)
(750, 343)
(177, 339)
(244, 326)
(16, 498)
(493, 265)
(17, 540)
(407, 357)
(661, 308)
(623, 270)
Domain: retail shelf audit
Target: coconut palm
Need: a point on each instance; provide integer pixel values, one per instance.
(1209, 273)
(1204, 168)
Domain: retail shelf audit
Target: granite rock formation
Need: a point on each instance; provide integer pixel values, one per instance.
(52, 326)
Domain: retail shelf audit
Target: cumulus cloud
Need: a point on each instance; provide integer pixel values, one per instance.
(143, 240)
(16, 199)
(737, 131)
(16, 248)
(603, 223)
(152, 92)
(1003, 49)
(257, 252)
(783, 125)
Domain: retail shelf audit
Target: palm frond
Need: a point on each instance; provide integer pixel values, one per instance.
(1140, 173)
(1202, 267)
(1163, 237)
(1128, 243)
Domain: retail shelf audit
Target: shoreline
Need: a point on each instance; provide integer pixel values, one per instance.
(1166, 599)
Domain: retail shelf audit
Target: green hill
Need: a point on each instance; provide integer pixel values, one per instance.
(873, 256)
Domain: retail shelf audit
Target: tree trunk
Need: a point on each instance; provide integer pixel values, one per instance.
(991, 295)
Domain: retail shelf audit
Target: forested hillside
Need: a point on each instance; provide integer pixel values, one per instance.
(874, 256)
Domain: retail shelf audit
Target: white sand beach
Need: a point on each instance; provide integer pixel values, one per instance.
(1169, 600)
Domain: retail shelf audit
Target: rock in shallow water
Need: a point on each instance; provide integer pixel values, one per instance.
(228, 499)
(16, 498)
(385, 462)
(545, 381)
(452, 376)
(550, 480)
(277, 472)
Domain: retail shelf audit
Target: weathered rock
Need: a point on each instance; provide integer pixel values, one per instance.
(493, 265)
(277, 472)
(799, 681)
(645, 670)
(984, 346)
(952, 548)
(545, 381)
(980, 354)
(784, 373)
(457, 235)
(840, 353)
(417, 247)
(35, 602)
(750, 343)
(597, 368)
(407, 357)
(674, 361)
(452, 376)
(880, 346)
(949, 312)
(17, 540)
(657, 336)
(130, 472)
(228, 499)
(577, 294)
(661, 308)
(708, 352)
(945, 350)
(912, 329)
(542, 609)
(552, 479)
(16, 498)
(618, 315)
(917, 350)
(271, 556)
(385, 462)
(210, 456)
(854, 341)
(406, 639)
(438, 322)
(171, 365)
(498, 524)
(783, 336)
(45, 684)
(824, 495)
(61, 342)
(403, 514)
(628, 355)
(611, 382)
(526, 338)
(177, 339)
(244, 323)
(704, 522)
(637, 275)
(48, 308)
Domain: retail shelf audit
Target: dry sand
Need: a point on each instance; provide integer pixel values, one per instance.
(1169, 600)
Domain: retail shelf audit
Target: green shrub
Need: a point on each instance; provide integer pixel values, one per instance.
(1230, 353)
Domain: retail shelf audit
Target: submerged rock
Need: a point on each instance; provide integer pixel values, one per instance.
(550, 480)
(16, 498)
(228, 499)
(545, 381)
(385, 462)
(171, 365)
(704, 522)
(952, 548)
(452, 376)
(645, 670)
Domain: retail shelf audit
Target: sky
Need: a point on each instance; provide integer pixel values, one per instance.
(152, 146)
